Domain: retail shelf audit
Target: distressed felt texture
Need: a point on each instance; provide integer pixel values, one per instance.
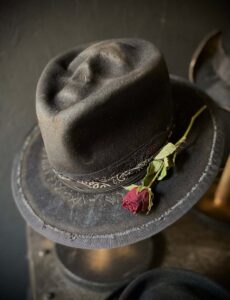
(98, 103)
(88, 220)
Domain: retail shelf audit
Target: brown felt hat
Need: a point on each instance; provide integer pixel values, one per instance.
(104, 110)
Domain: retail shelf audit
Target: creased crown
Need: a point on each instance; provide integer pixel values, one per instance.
(99, 103)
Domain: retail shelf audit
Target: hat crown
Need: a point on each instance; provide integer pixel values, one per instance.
(94, 68)
(225, 41)
(221, 59)
(104, 108)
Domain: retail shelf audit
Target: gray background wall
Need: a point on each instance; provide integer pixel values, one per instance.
(31, 32)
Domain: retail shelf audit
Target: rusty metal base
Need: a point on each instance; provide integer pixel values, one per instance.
(105, 269)
(219, 211)
(190, 243)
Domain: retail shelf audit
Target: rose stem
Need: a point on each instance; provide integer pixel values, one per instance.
(183, 138)
(156, 175)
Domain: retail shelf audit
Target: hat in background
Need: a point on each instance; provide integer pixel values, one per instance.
(173, 284)
(210, 67)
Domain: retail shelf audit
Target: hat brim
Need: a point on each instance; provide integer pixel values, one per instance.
(86, 220)
(173, 283)
(202, 73)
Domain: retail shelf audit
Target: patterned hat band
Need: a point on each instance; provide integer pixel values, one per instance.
(123, 173)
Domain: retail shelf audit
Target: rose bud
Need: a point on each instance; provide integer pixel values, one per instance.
(136, 200)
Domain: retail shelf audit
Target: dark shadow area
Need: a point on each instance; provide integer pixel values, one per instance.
(159, 249)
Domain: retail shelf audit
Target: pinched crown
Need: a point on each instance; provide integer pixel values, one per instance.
(104, 108)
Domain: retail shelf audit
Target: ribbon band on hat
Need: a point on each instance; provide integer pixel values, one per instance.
(122, 173)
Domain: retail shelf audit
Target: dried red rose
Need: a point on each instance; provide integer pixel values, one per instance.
(139, 198)
(136, 201)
